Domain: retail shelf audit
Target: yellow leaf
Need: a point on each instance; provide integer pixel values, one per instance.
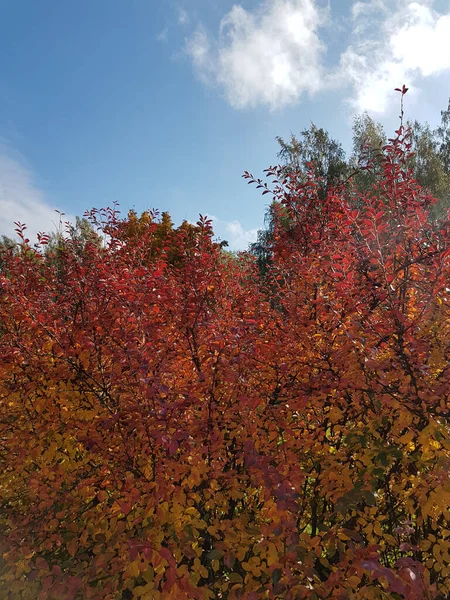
(133, 569)
(148, 574)
(354, 581)
(377, 528)
(203, 571)
(215, 565)
(390, 539)
(140, 590)
(272, 554)
(407, 437)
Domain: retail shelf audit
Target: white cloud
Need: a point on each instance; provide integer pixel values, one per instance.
(183, 17)
(367, 8)
(162, 36)
(21, 200)
(271, 56)
(199, 50)
(395, 42)
(237, 237)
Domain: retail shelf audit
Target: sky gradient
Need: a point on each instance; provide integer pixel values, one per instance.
(164, 104)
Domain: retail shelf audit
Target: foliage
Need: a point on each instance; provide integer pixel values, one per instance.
(368, 140)
(168, 433)
(313, 153)
(431, 161)
(262, 249)
(7, 246)
(157, 236)
(71, 238)
(315, 150)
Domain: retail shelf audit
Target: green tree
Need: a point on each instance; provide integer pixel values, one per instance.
(74, 240)
(431, 162)
(443, 135)
(368, 140)
(262, 249)
(313, 151)
(7, 245)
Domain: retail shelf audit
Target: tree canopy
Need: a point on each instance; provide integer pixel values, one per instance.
(171, 426)
(315, 150)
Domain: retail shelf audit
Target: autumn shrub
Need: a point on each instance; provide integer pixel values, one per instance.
(180, 429)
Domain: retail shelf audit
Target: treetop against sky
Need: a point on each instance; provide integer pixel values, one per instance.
(165, 104)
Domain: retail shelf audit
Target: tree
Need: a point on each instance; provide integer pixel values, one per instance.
(7, 245)
(74, 239)
(429, 160)
(315, 150)
(166, 431)
(357, 344)
(158, 237)
(313, 153)
(316, 154)
(262, 249)
(368, 141)
(6, 242)
(430, 164)
(443, 134)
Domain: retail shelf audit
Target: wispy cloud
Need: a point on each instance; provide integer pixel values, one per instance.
(198, 48)
(22, 200)
(162, 35)
(394, 42)
(183, 17)
(234, 233)
(271, 56)
(274, 55)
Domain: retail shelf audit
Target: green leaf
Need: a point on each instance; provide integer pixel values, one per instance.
(276, 576)
(369, 498)
(215, 554)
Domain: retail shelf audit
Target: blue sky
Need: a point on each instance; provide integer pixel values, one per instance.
(164, 104)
